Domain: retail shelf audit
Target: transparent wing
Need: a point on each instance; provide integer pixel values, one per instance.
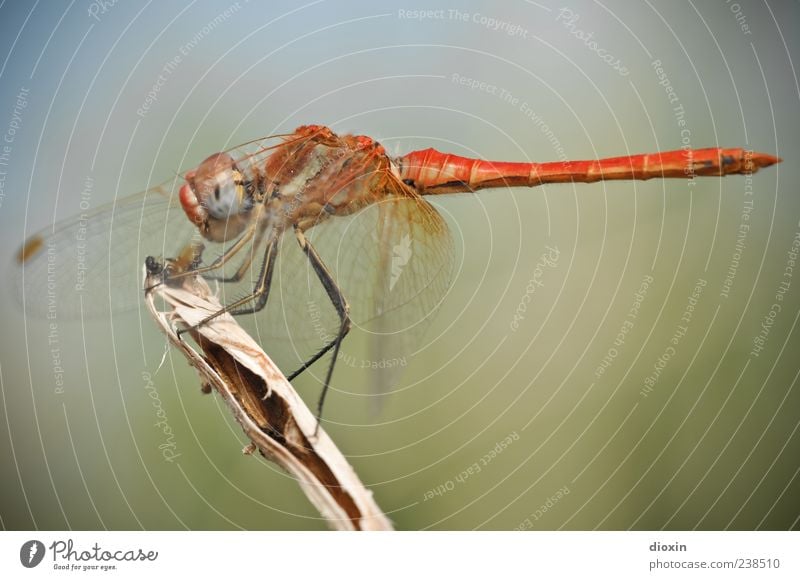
(392, 260)
(92, 264)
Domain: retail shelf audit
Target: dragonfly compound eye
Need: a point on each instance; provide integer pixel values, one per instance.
(215, 199)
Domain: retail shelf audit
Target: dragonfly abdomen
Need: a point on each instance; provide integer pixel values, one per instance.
(432, 172)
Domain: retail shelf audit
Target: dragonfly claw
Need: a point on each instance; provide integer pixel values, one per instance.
(154, 266)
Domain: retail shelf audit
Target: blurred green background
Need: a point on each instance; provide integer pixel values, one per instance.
(558, 442)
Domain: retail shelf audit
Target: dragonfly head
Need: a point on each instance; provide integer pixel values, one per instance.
(216, 198)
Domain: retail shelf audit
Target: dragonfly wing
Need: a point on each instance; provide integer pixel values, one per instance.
(393, 261)
(92, 264)
(414, 252)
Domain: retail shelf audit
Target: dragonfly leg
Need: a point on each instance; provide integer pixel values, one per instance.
(261, 290)
(342, 309)
(219, 262)
(259, 294)
(243, 267)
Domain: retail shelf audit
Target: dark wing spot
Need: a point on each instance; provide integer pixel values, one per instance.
(30, 249)
(409, 182)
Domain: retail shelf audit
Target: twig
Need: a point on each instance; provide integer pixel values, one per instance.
(264, 403)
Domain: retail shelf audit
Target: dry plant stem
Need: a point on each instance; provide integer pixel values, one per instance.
(264, 403)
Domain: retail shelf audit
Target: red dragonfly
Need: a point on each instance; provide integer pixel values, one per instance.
(364, 236)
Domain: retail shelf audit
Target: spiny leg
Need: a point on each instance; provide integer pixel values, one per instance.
(342, 309)
(216, 264)
(260, 291)
(244, 266)
(226, 255)
(263, 285)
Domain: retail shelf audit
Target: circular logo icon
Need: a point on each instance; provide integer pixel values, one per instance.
(31, 553)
